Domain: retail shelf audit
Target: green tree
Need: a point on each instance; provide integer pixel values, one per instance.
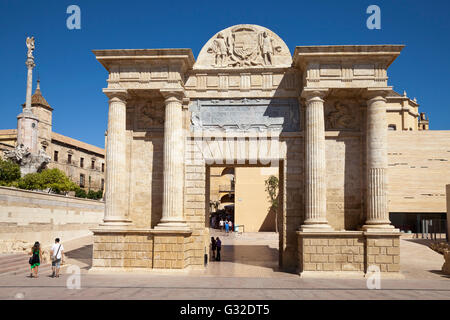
(56, 180)
(272, 189)
(31, 181)
(9, 172)
(53, 179)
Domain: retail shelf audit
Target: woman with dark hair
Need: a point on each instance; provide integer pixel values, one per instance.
(35, 260)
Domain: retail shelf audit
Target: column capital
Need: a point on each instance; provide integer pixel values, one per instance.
(314, 94)
(116, 94)
(376, 94)
(173, 94)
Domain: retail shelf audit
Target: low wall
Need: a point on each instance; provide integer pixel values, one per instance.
(34, 216)
(348, 251)
(140, 249)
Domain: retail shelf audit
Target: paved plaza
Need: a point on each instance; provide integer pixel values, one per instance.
(248, 270)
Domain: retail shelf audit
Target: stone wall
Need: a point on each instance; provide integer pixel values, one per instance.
(34, 216)
(448, 209)
(348, 251)
(140, 249)
(419, 170)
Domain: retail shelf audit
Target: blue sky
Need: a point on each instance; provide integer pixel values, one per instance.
(72, 79)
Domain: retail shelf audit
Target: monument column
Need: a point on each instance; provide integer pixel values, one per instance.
(27, 122)
(172, 210)
(376, 162)
(315, 164)
(116, 205)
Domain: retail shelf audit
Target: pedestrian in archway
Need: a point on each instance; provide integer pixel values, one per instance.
(219, 248)
(213, 248)
(227, 227)
(230, 224)
(35, 260)
(221, 224)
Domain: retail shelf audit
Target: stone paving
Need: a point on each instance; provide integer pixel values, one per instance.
(248, 270)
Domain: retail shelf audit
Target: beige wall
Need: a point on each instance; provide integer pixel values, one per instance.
(252, 206)
(448, 209)
(33, 216)
(419, 169)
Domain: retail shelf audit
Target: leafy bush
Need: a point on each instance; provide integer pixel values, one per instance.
(95, 195)
(80, 193)
(9, 172)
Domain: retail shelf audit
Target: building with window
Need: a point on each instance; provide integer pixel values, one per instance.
(67, 154)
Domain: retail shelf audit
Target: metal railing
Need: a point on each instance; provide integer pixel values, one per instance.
(434, 229)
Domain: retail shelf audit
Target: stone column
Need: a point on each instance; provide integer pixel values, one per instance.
(376, 162)
(172, 210)
(315, 165)
(116, 182)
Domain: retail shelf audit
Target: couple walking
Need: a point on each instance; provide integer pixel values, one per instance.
(216, 245)
(57, 255)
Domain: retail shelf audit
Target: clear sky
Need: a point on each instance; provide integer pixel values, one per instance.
(72, 79)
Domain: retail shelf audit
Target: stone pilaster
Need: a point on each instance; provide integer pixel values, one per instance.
(376, 162)
(172, 214)
(116, 182)
(315, 164)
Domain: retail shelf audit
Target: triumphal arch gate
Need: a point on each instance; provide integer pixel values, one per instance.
(318, 115)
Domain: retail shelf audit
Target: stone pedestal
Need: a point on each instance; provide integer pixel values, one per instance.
(116, 182)
(376, 151)
(315, 166)
(172, 211)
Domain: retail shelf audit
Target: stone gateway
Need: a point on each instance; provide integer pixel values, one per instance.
(319, 116)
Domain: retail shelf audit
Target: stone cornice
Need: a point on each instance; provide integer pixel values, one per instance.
(114, 56)
(303, 54)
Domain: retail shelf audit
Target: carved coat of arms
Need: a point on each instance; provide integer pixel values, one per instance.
(244, 47)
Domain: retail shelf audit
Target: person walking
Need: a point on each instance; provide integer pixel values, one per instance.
(230, 224)
(35, 259)
(57, 254)
(213, 248)
(221, 224)
(219, 247)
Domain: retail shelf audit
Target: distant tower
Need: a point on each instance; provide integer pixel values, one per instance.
(27, 122)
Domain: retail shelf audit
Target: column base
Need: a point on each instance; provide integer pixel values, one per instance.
(116, 222)
(318, 227)
(379, 228)
(172, 225)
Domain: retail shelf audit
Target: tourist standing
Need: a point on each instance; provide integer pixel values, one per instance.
(219, 247)
(230, 225)
(35, 260)
(213, 247)
(221, 224)
(227, 226)
(57, 254)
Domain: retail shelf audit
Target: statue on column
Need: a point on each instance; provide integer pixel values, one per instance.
(30, 46)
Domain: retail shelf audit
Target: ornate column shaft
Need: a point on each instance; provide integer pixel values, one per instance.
(376, 151)
(315, 165)
(172, 210)
(116, 205)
